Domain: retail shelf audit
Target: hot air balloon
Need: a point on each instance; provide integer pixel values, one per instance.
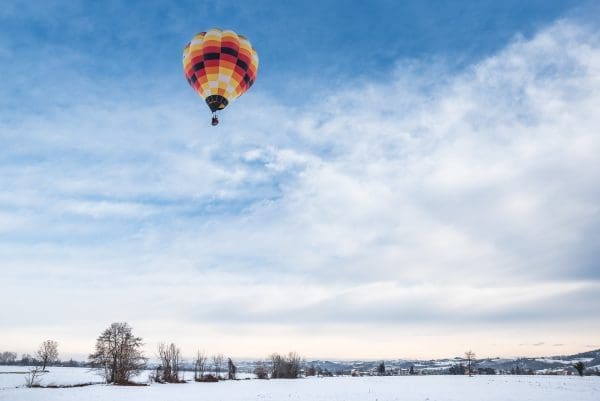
(220, 65)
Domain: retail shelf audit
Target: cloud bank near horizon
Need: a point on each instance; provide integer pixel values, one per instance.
(434, 202)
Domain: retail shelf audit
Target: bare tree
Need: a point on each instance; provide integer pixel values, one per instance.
(470, 357)
(27, 360)
(170, 359)
(276, 362)
(381, 369)
(218, 363)
(285, 366)
(231, 369)
(8, 358)
(118, 354)
(47, 353)
(200, 365)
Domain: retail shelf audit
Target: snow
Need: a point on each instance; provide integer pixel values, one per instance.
(58, 376)
(503, 360)
(405, 388)
(564, 362)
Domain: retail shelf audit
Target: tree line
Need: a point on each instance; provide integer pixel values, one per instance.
(118, 357)
(46, 355)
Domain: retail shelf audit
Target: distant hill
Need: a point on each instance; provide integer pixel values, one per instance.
(552, 364)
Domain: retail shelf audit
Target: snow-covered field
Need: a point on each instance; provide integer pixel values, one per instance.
(55, 376)
(405, 388)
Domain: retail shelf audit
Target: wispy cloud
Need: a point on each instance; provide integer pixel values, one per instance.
(436, 198)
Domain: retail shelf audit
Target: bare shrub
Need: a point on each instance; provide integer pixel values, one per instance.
(47, 353)
(218, 363)
(170, 359)
(200, 365)
(285, 366)
(261, 371)
(33, 377)
(580, 368)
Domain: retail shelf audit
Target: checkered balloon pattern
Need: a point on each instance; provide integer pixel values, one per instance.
(220, 65)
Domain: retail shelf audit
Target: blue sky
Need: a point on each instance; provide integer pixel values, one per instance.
(135, 46)
(405, 168)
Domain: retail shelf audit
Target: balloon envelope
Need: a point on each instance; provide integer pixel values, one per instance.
(220, 65)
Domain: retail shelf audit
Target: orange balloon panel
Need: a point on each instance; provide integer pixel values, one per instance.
(219, 65)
